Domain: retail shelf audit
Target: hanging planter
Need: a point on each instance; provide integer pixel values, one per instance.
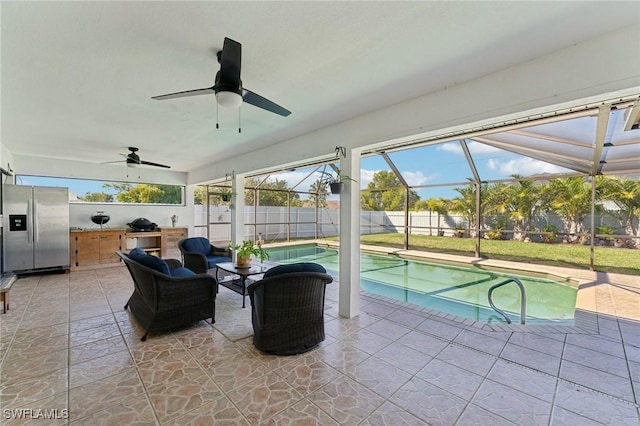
(335, 181)
(226, 196)
(336, 187)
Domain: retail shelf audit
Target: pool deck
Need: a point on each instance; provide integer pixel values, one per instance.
(67, 344)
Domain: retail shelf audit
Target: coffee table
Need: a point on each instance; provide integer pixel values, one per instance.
(239, 282)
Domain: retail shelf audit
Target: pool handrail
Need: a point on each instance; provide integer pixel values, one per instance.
(523, 300)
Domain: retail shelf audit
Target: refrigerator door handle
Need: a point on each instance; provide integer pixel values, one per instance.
(30, 221)
(36, 231)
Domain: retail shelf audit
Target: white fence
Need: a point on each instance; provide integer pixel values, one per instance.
(280, 223)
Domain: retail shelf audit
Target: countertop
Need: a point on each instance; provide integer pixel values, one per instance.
(125, 230)
(96, 229)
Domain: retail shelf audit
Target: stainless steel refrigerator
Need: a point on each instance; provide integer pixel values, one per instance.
(35, 228)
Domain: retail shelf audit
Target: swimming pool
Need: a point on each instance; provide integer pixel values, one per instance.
(457, 290)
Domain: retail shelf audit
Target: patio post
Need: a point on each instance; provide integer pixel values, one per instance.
(237, 209)
(349, 292)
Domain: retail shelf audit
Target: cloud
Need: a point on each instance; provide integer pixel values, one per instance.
(413, 178)
(366, 176)
(475, 148)
(523, 166)
(417, 178)
(453, 147)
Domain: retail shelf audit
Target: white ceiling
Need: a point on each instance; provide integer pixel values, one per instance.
(77, 77)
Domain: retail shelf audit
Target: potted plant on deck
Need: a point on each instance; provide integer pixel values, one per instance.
(335, 180)
(245, 250)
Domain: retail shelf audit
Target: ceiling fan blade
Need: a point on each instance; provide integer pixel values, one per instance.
(205, 91)
(149, 163)
(230, 62)
(264, 103)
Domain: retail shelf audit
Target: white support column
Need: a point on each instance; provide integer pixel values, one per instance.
(349, 293)
(189, 220)
(237, 209)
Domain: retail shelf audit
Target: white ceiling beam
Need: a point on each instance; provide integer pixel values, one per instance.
(632, 116)
(549, 138)
(604, 112)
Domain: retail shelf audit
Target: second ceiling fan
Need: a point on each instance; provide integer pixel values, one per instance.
(228, 85)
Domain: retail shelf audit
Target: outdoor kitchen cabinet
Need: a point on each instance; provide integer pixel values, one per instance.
(95, 248)
(160, 242)
(170, 239)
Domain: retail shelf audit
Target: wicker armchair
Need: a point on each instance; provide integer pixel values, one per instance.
(200, 255)
(287, 308)
(171, 298)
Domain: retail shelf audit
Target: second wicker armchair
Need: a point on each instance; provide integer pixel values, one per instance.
(287, 308)
(200, 255)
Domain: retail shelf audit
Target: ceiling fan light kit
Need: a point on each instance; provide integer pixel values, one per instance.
(229, 99)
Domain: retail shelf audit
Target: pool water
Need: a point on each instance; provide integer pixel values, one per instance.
(457, 290)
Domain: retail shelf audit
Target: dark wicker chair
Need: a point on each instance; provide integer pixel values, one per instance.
(200, 255)
(287, 308)
(162, 301)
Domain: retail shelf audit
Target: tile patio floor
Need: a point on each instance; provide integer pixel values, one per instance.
(67, 343)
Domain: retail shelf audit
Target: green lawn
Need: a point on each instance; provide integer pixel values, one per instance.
(608, 259)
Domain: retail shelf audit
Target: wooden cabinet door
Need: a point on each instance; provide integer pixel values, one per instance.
(87, 248)
(170, 239)
(110, 243)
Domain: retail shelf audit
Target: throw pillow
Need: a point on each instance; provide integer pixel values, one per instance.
(153, 262)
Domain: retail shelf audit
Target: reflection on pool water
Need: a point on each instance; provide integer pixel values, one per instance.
(457, 290)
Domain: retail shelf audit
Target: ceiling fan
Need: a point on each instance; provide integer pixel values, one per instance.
(132, 159)
(228, 86)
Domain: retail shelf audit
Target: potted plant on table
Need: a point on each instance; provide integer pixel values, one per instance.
(335, 180)
(245, 250)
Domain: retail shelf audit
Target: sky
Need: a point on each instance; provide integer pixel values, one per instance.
(441, 164)
(428, 165)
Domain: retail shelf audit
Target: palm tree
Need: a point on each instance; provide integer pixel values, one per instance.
(625, 194)
(521, 203)
(438, 205)
(465, 204)
(496, 203)
(571, 199)
(320, 189)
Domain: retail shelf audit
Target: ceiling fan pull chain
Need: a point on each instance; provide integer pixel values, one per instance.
(239, 121)
(217, 120)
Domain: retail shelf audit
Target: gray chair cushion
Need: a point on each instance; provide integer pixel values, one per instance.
(294, 267)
